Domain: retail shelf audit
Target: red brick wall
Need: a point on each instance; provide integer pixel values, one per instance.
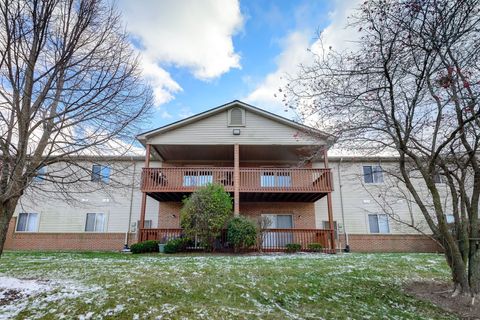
(65, 241)
(169, 215)
(392, 243)
(303, 212)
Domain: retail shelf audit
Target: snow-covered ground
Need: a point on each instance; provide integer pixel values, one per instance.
(282, 286)
(17, 294)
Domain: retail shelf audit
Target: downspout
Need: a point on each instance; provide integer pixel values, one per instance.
(347, 246)
(127, 235)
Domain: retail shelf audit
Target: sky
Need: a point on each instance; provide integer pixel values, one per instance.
(199, 54)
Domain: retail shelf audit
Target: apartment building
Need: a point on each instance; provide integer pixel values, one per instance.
(273, 168)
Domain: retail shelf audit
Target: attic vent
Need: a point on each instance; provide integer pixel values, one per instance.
(236, 117)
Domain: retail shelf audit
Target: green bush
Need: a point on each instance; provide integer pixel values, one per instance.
(315, 247)
(176, 245)
(145, 246)
(293, 247)
(205, 213)
(241, 233)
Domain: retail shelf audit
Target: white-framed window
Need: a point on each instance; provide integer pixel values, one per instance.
(197, 178)
(275, 179)
(96, 222)
(236, 117)
(326, 225)
(438, 178)
(147, 225)
(100, 173)
(450, 218)
(41, 174)
(27, 222)
(372, 174)
(378, 223)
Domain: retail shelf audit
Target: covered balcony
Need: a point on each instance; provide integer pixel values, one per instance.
(255, 184)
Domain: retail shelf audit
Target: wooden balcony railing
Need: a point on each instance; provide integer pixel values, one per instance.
(272, 239)
(285, 180)
(184, 179)
(251, 179)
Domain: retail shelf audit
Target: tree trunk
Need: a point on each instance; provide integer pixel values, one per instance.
(459, 271)
(6, 213)
(474, 268)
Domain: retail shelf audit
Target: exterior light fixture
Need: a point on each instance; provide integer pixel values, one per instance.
(236, 132)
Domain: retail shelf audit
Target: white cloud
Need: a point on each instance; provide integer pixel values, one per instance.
(338, 35)
(190, 33)
(294, 52)
(163, 85)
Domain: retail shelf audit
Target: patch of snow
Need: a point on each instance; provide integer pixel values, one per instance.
(30, 294)
(26, 287)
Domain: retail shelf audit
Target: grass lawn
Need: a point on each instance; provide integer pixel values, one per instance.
(302, 286)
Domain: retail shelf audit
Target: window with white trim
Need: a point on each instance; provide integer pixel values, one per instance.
(438, 178)
(27, 222)
(41, 174)
(378, 223)
(372, 174)
(96, 222)
(147, 224)
(450, 218)
(326, 225)
(100, 173)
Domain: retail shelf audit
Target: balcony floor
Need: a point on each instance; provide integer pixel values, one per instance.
(248, 196)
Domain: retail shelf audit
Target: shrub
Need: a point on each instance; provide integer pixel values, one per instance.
(205, 213)
(315, 247)
(293, 247)
(241, 233)
(176, 245)
(145, 246)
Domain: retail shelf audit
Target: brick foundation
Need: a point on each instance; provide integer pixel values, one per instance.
(392, 243)
(64, 241)
(303, 214)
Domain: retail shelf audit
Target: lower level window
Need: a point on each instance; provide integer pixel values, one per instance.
(96, 222)
(28, 222)
(378, 223)
(147, 224)
(326, 225)
(450, 218)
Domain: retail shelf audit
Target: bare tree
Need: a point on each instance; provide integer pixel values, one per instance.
(70, 87)
(263, 223)
(410, 88)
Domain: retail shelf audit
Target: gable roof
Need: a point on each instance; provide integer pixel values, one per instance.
(148, 134)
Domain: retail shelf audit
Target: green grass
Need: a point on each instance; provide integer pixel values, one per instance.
(303, 286)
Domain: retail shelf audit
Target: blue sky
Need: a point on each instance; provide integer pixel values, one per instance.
(198, 54)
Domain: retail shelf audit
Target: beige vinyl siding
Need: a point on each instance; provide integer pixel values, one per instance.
(359, 200)
(258, 130)
(58, 215)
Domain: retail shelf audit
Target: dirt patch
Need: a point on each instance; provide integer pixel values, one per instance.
(10, 295)
(440, 294)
